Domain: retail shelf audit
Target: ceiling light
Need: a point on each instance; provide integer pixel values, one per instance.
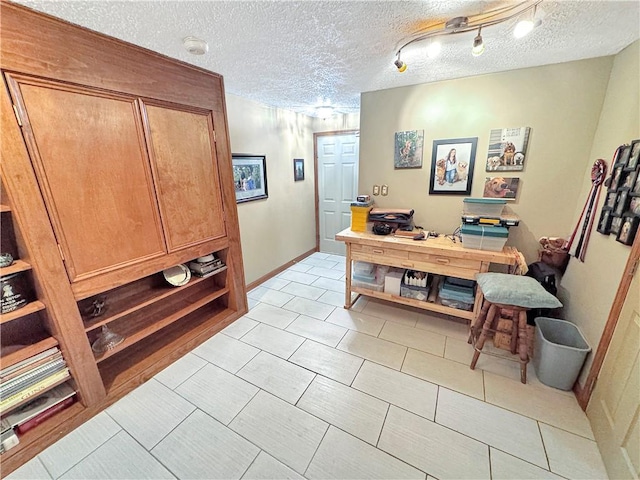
(478, 44)
(195, 46)
(464, 24)
(324, 111)
(400, 65)
(433, 50)
(525, 25)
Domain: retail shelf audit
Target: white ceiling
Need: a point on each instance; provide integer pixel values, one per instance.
(295, 54)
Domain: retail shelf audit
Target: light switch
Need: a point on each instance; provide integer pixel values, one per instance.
(376, 189)
(385, 190)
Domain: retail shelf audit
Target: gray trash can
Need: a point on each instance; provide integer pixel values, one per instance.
(559, 352)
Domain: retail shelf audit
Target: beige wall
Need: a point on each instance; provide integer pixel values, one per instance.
(589, 287)
(561, 103)
(278, 229)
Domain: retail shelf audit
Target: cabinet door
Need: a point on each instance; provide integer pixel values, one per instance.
(185, 168)
(89, 153)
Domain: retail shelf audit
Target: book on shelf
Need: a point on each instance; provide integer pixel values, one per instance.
(40, 404)
(28, 361)
(7, 403)
(42, 416)
(31, 377)
(27, 368)
(8, 437)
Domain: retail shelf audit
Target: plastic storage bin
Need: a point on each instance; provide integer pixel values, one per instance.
(483, 206)
(359, 218)
(456, 296)
(417, 292)
(484, 238)
(559, 352)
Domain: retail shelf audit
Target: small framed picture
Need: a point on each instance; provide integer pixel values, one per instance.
(634, 156)
(622, 202)
(629, 179)
(615, 178)
(604, 224)
(636, 187)
(610, 202)
(298, 169)
(623, 157)
(616, 223)
(250, 177)
(628, 229)
(634, 205)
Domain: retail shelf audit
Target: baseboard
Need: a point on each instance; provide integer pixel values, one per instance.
(280, 269)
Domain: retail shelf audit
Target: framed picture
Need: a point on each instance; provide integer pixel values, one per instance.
(452, 164)
(604, 224)
(623, 156)
(501, 187)
(616, 223)
(610, 202)
(634, 205)
(615, 178)
(622, 202)
(408, 149)
(634, 156)
(507, 149)
(628, 229)
(628, 179)
(250, 177)
(298, 169)
(636, 187)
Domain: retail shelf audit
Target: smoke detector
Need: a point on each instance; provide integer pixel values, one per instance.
(195, 46)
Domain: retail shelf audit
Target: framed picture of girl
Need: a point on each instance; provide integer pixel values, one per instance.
(452, 163)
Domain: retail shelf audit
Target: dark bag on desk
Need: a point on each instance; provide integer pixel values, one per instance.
(390, 215)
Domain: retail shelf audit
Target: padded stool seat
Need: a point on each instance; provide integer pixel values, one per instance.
(513, 292)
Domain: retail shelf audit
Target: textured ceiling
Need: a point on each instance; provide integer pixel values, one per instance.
(295, 54)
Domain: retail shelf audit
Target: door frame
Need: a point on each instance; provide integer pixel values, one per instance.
(315, 173)
(583, 392)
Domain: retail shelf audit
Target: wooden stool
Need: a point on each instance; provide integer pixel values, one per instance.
(486, 322)
(516, 293)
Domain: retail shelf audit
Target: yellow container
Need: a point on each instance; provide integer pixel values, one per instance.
(359, 217)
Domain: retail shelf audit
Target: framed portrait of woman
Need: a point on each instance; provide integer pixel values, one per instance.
(452, 163)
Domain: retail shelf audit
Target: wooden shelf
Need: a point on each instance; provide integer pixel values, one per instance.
(130, 368)
(136, 328)
(28, 309)
(42, 435)
(436, 307)
(15, 267)
(4, 208)
(28, 351)
(138, 302)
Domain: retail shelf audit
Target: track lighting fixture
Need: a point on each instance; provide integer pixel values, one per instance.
(400, 65)
(478, 44)
(525, 11)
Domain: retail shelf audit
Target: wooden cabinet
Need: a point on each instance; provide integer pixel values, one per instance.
(117, 165)
(440, 256)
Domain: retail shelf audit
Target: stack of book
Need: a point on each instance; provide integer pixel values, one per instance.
(208, 267)
(30, 377)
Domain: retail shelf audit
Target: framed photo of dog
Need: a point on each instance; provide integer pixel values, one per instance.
(452, 163)
(507, 149)
(501, 187)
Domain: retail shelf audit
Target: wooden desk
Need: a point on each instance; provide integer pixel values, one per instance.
(439, 256)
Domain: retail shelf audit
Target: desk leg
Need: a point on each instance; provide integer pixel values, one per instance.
(347, 279)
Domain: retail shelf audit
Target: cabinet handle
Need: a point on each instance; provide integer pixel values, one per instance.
(378, 251)
(443, 261)
(407, 264)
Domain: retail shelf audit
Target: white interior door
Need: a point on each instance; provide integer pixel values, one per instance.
(614, 407)
(337, 186)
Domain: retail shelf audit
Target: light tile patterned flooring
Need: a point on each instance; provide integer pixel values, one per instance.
(300, 387)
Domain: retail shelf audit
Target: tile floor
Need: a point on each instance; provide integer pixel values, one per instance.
(301, 388)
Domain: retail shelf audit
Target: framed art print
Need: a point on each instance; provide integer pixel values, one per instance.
(452, 164)
(298, 169)
(604, 224)
(250, 177)
(408, 149)
(507, 150)
(628, 229)
(615, 178)
(634, 155)
(616, 223)
(622, 202)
